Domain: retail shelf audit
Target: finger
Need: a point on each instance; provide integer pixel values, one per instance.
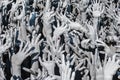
(48, 57)
(105, 60)
(29, 49)
(71, 46)
(80, 69)
(40, 41)
(33, 37)
(62, 52)
(44, 56)
(28, 54)
(54, 27)
(40, 60)
(99, 63)
(37, 39)
(118, 61)
(25, 47)
(52, 14)
(114, 57)
(68, 56)
(67, 66)
(21, 46)
(58, 24)
(72, 62)
(69, 73)
(73, 76)
(63, 60)
(48, 51)
(109, 59)
(65, 69)
(58, 43)
(58, 15)
(26, 69)
(60, 49)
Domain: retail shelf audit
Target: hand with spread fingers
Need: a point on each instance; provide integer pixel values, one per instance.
(97, 8)
(47, 63)
(19, 57)
(111, 67)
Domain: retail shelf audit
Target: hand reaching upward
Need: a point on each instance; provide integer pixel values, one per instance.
(111, 67)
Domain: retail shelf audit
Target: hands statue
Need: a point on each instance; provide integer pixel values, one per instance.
(19, 57)
(110, 67)
(59, 30)
(47, 64)
(97, 8)
(48, 18)
(67, 73)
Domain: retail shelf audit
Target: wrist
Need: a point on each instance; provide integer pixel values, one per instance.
(107, 77)
(16, 70)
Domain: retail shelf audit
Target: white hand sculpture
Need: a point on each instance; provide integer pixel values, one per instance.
(48, 17)
(47, 20)
(67, 73)
(111, 67)
(59, 30)
(19, 57)
(55, 48)
(97, 8)
(36, 42)
(62, 17)
(113, 11)
(47, 63)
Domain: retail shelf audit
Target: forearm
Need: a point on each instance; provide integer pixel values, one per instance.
(95, 25)
(16, 70)
(47, 29)
(23, 32)
(107, 78)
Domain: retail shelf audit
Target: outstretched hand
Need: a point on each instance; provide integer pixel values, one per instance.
(111, 67)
